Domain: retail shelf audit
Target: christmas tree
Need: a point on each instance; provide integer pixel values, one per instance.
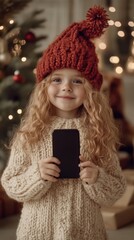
(18, 58)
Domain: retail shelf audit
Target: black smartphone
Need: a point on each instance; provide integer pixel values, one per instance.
(66, 147)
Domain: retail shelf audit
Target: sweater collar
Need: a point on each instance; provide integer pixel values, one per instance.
(58, 122)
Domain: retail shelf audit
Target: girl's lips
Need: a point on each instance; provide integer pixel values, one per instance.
(66, 97)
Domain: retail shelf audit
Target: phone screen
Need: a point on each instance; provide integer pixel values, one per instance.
(66, 147)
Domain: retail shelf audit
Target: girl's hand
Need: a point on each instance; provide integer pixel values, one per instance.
(88, 171)
(48, 169)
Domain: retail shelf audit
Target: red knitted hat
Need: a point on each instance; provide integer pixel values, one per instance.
(74, 49)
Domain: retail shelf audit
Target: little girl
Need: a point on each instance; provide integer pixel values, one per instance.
(67, 96)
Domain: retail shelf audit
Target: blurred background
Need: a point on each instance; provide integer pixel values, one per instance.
(26, 29)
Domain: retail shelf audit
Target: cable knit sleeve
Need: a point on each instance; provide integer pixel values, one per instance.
(21, 179)
(109, 186)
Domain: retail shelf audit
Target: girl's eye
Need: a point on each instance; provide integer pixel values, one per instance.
(78, 81)
(56, 80)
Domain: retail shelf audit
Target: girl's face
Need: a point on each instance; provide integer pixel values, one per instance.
(66, 92)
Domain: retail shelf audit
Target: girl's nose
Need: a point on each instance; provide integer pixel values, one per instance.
(67, 87)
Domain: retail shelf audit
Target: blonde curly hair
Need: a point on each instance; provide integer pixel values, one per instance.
(103, 135)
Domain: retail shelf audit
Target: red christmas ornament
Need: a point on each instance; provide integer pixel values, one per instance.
(17, 77)
(30, 37)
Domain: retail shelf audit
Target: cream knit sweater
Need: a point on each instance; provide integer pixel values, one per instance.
(65, 210)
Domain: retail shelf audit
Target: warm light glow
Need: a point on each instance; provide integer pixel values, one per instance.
(132, 33)
(16, 72)
(1, 27)
(118, 70)
(112, 9)
(121, 34)
(132, 49)
(11, 21)
(111, 22)
(19, 111)
(131, 24)
(117, 24)
(102, 45)
(114, 59)
(23, 59)
(10, 117)
(34, 71)
(130, 64)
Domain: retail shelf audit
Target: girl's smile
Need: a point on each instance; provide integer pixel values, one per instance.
(66, 97)
(66, 92)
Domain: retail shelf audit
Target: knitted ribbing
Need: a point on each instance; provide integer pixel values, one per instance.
(68, 209)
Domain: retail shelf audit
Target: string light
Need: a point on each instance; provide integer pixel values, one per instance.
(114, 59)
(11, 21)
(111, 22)
(112, 9)
(34, 71)
(130, 64)
(10, 117)
(1, 27)
(131, 24)
(119, 70)
(102, 45)
(117, 23)
(19, 111)
(23, 59)
(132, 33)
(121, 34)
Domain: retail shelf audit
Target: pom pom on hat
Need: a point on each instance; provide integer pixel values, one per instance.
(97, 19)
(74, 49)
